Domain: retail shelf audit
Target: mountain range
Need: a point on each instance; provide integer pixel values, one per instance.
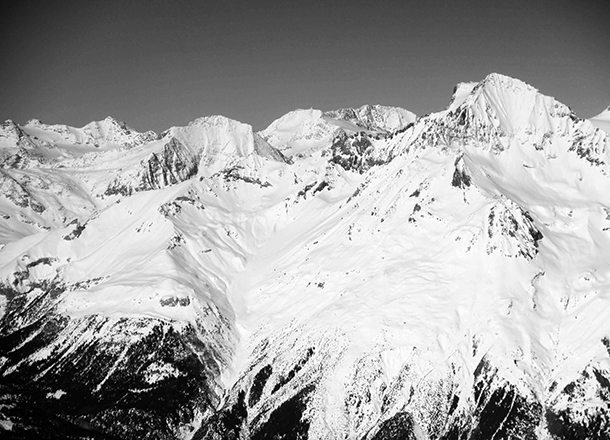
(360, 274)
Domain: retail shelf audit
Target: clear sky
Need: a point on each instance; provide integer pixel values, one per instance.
(156, 64)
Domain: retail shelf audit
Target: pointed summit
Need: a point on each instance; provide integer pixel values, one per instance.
(108, 132)
(508, 105)
(509, 102)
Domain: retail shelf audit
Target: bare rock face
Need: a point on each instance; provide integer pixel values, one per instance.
(357, 274)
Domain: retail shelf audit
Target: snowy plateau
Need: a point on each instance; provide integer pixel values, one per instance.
(360, 274)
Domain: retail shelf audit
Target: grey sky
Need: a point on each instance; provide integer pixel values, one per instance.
(156, 64)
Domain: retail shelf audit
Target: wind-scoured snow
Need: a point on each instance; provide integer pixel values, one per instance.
(358, 273)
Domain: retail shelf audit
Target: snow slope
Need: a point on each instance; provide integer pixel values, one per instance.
(356, 274)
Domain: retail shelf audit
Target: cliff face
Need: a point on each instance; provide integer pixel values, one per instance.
(342, 275)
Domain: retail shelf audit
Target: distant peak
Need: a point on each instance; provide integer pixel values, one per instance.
(214, 120)
(34, 122)
(374, 117)
(293, 119)
(300, 113)
(111, 120)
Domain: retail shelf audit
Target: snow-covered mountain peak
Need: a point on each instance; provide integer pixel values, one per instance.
(506, 103)
(302, 132)
(111, 132)
(34, 122)
(445, 277)
(299, 131)
(533, 139)
(291, 120)
(107, 126)
(500, 110)
(219, 142)
(106, 134)
(374, 118)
